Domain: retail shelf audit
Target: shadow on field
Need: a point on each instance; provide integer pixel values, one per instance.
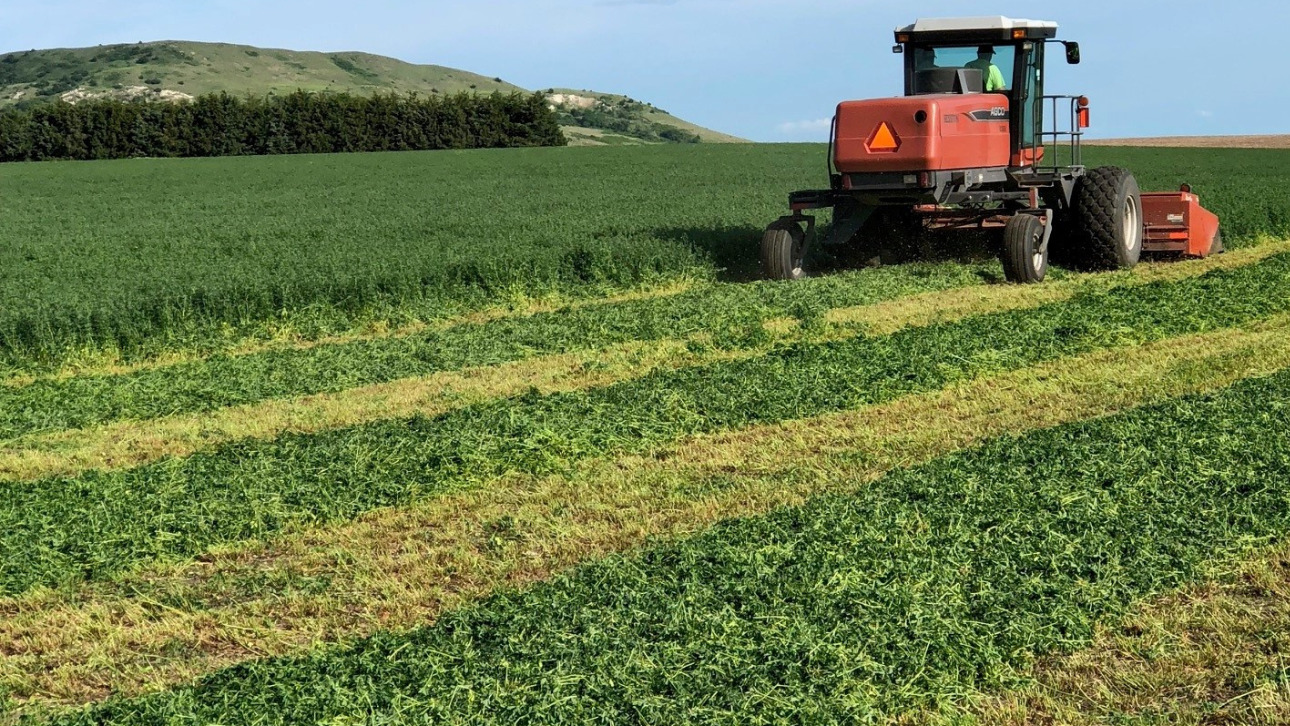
(958, 247)
(736, 251)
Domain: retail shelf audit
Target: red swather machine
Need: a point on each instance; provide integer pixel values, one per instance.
(957, 152)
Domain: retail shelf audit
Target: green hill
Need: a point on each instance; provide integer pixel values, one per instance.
(594, 118)
(176, 70)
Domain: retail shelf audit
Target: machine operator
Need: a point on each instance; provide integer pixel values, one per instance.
(985, 63)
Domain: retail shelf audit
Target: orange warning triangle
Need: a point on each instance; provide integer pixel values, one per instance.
(884, 139)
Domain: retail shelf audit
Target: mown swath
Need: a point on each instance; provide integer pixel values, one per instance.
(853, 608)
(401, 568)
(133, 443)
(1212, 652)
(731, 314)
(62, 531)
(130, 444)
(107, 364)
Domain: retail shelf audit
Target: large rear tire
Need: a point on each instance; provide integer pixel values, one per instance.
(783, 251)
(1108, 219)
(1025, 256)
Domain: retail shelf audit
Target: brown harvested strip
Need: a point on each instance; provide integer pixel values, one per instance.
(1266, 141)
(107, 362)
(125, 444)
(400, 568)
(1211, 653)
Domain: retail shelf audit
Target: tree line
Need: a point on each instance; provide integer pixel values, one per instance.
(298, 123)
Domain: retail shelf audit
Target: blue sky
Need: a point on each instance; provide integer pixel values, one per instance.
(768, 70)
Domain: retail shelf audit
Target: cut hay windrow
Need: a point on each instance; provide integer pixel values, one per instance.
(935, 581)
(731, 316)
(402, 568)
(282, 336)
(129, 444)
(56, 532)
(1212, 652)
(134, 443)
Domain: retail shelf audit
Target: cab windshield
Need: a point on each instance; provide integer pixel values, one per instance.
(937, 68)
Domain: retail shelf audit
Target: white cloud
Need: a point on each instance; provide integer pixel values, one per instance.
(799, 127)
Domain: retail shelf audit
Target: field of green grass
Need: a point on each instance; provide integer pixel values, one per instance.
(519, 436)
(138, 258)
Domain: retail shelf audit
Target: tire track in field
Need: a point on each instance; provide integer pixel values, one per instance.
(127, 444)
(400, 568)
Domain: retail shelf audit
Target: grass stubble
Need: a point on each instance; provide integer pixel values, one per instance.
(1213, 652)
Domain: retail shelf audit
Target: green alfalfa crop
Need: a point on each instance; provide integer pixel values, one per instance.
(152, 255)
(1245, 187)
(149, 256)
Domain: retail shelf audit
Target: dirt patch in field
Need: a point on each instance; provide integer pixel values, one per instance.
(1280, 141)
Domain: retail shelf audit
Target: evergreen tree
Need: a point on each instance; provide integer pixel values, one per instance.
(300, 122)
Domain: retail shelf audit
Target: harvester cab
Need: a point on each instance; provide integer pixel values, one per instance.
(976, 144)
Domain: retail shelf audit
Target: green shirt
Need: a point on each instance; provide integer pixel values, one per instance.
(993, 76)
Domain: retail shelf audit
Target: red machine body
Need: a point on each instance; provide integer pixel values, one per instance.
(964, 150)
(1175, 222)
(923, 133)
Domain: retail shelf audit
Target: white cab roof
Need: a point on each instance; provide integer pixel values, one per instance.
(989, 22)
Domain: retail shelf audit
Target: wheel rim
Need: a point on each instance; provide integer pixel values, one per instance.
(1132, 223)
(799, 253)
(1037, 257)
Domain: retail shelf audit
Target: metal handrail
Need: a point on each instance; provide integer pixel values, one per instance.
(1073, 133)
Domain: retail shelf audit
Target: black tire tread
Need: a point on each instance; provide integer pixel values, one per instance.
(1018, 240)
(1095, 207)
(776, 251)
